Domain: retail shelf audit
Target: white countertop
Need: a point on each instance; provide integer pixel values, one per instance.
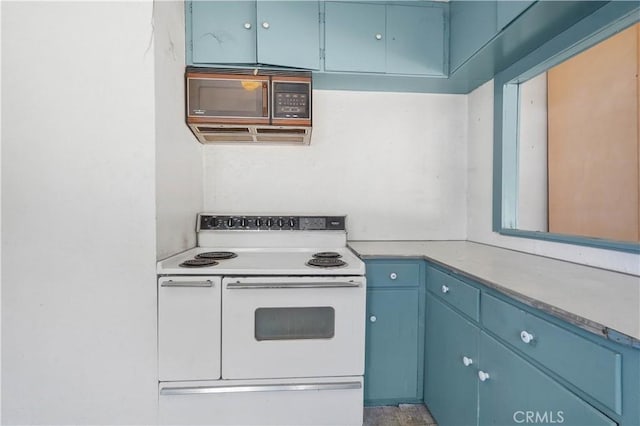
(595, 299)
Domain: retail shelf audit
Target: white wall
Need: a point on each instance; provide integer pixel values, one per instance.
(395, 163)
(178, 153)
(479, 203)
(78, 210)
(532, 155)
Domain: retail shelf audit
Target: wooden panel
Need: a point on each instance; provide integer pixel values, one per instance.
(593, 141)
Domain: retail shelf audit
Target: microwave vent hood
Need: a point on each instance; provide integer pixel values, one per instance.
(249, 106)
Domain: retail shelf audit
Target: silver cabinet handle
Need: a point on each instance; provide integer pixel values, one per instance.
(378, 36)
(445, 289)
(265, 25)
(393, 275)
(171, 283)
(260, 388)
(259, 286)
(247, 25)
(373, 318)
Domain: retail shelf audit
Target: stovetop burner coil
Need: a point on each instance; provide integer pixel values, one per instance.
(320, 262)
(327, 255)
(198, 263)
(218, 255)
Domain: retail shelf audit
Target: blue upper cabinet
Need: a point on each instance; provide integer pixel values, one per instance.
(508, 10)
(223, 32)
(415, 40)
(280, 33)
(473, 24)
(355, 37)
(379, 38)
(289, 33)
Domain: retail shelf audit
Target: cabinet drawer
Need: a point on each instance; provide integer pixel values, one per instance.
(393, 273)
(461, 295)
(592, 368)
(514, 390)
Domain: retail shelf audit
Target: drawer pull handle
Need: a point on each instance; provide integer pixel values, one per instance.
(467, 361)
(445, 289)
(483, 376)
(373, 318)
(526, 337)
(247, 26)
(393, 275)
(378, 36)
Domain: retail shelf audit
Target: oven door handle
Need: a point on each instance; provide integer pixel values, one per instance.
(171, 283)
(195, 390)
(256, 286)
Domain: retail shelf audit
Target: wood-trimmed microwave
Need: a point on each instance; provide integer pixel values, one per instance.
(237, 105)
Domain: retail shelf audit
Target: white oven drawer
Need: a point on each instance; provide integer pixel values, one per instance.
(189, 328)
(293, 327)
(299, 402)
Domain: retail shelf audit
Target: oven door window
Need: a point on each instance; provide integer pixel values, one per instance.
(294, 323)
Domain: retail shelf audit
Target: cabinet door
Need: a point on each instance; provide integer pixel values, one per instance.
(517, 392)
(223, 31)
(473, 24)
(415, 40)
(391, 355)
(451, 385)
(189, 315)
(289, 33)
(355, 37)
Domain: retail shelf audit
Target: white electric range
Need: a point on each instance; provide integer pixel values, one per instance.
(262, 324)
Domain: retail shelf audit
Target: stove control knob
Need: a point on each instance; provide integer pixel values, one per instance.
(280, 223)
(230, 222)
(258, 222)
(215, 222)
(243, 222)
(269, 223)
(292, 223)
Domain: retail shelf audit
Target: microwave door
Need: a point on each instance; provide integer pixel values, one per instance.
(233, 99)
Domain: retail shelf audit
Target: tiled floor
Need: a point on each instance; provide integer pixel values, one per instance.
(402, 415)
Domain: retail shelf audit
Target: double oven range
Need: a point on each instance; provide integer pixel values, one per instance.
(263, 323)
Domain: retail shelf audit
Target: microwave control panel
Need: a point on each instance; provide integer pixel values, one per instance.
(291, 100)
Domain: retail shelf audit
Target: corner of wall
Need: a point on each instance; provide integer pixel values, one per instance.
(179, 163)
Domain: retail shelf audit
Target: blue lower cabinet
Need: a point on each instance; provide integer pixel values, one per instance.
(512, 391)
(514, 364)
(394, 352)
(391, 355)
(451, 356)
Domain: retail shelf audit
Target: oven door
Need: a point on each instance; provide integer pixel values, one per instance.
(293, 327)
